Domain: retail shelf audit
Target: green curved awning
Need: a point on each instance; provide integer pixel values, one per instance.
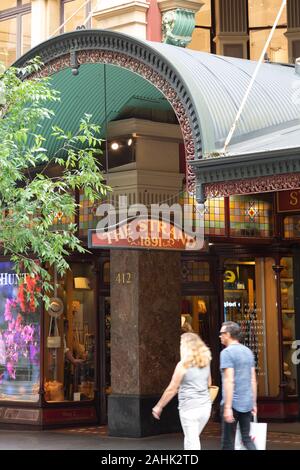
(205, 90)
(85, 92)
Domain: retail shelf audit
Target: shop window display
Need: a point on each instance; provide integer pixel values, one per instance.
(250, 300)
(19, 336)
(194, 315)
(288, 324)
(70, 364)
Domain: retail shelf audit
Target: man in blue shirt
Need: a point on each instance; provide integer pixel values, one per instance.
(239, 387)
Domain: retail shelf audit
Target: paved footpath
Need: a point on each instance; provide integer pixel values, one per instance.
(95, 438)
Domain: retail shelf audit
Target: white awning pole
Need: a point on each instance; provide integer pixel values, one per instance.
(232, 130)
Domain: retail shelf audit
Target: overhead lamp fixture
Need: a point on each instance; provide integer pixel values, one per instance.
(115, 146)
(129, 142)
(81, 283)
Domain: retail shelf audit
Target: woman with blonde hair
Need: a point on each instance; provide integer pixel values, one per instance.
(191, 380)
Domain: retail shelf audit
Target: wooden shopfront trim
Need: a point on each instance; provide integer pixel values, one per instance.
(60, 414)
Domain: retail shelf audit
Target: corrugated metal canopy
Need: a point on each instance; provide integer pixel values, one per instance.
(211, 88)
(287, 137)
(218, 85)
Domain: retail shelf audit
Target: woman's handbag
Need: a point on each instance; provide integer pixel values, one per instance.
(213, 391)
(53, 341)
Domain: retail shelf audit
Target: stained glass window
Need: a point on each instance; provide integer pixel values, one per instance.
(291, 226)
(214, 215)
(195, 271)
(251, 216)
(87, 216)
(214, 219)
(61, 222)
(187, 198)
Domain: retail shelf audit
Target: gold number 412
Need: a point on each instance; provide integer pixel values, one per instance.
(124, 278)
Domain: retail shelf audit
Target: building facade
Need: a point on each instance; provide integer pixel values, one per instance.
(123, 309)
(236, 28)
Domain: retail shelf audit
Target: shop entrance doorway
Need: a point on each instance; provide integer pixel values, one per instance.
(250, 299)
(199, 313)
(195, 315)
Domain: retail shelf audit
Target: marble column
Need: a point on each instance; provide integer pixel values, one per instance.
(145, 336)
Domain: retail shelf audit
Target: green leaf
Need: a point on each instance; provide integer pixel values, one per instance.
(35, 186)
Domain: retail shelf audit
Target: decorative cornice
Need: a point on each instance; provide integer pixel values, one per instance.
(115, 10)
(92, 46)
(166, 5)
(211, 170)
(253, 185)
(178, 26)
(246, 174)
(292, 33)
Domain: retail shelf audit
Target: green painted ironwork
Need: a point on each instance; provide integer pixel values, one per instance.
(178, 26)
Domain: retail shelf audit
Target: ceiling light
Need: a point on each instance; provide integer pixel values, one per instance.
(115, 146)
(129, 142)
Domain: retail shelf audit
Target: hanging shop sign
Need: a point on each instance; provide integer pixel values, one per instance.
(146, 234)
(288, 201)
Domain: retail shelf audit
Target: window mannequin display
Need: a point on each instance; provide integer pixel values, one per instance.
(68, 353)
(203, 320)
(70, 373)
